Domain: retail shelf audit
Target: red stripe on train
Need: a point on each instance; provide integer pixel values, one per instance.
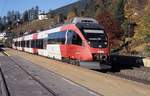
(34, 36)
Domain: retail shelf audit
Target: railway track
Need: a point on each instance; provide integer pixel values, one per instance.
(140, 74)
(38, 81)
(32, 77)
(37, 75)
(3, 85)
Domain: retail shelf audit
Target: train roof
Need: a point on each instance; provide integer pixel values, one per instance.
(83, 20)
(89, 23)
(89, 26)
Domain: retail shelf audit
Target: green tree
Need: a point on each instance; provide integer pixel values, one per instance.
(25, 16)
(144, 29)
(36, 12)
(119, 10)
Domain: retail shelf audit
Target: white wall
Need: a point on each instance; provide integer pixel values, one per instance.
(41, 17)
(2, 35)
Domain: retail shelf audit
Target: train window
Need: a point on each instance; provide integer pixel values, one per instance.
(25, 43)
(22, 43)
(33, 43)
(28, 43)
(61, 38)
(69, 37)
(76, 40)
(44, 43)
(56, 38)
(15, 43)
(96, 38)
(39, 43)
(19, 44)
(73, 38)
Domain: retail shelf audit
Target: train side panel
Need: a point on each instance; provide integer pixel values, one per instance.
(27, 43)
(53, 50)
(43, 36)
(33, 46)
(75, 51)
(70, 42)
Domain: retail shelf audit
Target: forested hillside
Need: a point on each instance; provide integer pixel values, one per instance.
(138, 11)
(127, 22)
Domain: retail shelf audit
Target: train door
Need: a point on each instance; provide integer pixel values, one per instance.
(74, 45)
(64, 46)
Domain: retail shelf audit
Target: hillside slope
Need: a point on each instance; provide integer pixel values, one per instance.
(138, 11)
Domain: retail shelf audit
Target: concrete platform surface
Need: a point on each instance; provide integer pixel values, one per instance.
(18, 82)
(104, 84)
(22, 84)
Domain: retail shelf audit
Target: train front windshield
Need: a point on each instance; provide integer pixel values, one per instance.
(96, 38)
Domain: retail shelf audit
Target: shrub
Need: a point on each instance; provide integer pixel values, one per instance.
(147, 50)
(147, 38)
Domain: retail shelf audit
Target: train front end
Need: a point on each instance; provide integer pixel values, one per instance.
(97, 45)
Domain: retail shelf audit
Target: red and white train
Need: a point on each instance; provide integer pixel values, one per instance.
(82, 42)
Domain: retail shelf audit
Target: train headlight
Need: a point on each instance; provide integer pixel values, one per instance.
(105, 43)
(89, 42)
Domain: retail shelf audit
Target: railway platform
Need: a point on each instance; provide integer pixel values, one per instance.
(23, 78)
(39, 76)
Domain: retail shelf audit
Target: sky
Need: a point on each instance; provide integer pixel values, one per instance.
(21, 5)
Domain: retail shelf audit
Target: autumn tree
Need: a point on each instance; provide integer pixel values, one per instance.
(73, 13)
(111, 26)
(143, 32)
(138, 11)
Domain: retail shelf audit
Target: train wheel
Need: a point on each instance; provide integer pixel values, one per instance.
(63, 59)
(67, 60)
(77, 62)
(72, 61)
